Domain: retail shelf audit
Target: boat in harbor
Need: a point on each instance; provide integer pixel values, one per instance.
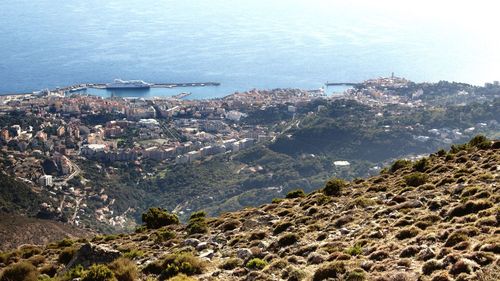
(131, 84)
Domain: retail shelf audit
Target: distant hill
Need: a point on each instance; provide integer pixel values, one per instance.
(435, 219)
(17, 197)
(16, 230)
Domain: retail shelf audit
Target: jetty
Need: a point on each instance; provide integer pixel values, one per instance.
(341, 84)
(164, 85)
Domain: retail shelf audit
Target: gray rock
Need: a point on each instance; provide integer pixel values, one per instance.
(244, 253)
(315, 258)
(90, 254)
(208, 253)
(191, 242)
(344, 231)
(201, 246)
(426, 254)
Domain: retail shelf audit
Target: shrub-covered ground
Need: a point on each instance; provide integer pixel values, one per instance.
(437, 219)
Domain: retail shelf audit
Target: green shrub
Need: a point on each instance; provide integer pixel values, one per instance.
(455, 238)
(22, 271)
(298, 193)
(73, 273)
(156, 217)
(27, 251)
(455, 148)
(66, 255)
(49, 270)
(407, 233)
(332, 270)
(277, 200)
(65, 243)
(288, 239)
(199, 214)
(182, 263)
(480, 142)
(197, 223)
(256, 263)
(231, 263)
(133, 253)
(399, 164)
(421, 165)
(99, 272)
(469, 207)
(124, 269)
(356, 275)
(36, 260)
(164, 235)
(355, 250)
(416, 179)
(334, 187)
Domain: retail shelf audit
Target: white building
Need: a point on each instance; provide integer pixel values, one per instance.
(45, 180)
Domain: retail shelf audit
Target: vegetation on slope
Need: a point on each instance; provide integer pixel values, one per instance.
(380, 228)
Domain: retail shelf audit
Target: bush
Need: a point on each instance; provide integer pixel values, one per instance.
(156, 217)
(421, 165)
(288, 239)
(124, 269)
(256, 263)
(49, 270)
(356, 250)
(27, 251)
(133, 253)
(416, 179)
(22, 271)
(181, 277)
(99, 272)
(455, 238)
(356, 275)
(164, 235)
(197, 223)
(277, 200)
(399, 164)
(407, 233)
(230, 225)
(330, 270)
(182, 263)
(66, 255)
(298, 193)
(231, 263)
(430, 266)
(36, 260)
(469, 207)
(334, 187)
(281, 227)
(65, 243)
(480, 142)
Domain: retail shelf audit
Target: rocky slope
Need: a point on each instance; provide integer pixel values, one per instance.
(435, 219)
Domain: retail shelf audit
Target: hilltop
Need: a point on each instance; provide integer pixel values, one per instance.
(432, 219)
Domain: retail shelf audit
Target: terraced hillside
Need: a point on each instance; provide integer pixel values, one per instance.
(435, 219)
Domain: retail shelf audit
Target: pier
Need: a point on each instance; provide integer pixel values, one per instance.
(165, 85)
(341, 84)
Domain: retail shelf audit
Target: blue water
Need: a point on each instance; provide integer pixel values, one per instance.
(243, 44)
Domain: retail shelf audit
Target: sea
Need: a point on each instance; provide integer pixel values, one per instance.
(243, 44)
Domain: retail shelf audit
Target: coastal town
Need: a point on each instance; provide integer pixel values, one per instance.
(60, 129)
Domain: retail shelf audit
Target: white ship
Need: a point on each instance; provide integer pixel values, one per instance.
(132, 84)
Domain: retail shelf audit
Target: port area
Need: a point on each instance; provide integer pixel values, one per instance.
(164, 85)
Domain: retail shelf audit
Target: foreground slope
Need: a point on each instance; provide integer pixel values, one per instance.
(435, 219)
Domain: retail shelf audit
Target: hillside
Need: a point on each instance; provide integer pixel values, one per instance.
(434, 219)
(16, 230)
